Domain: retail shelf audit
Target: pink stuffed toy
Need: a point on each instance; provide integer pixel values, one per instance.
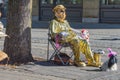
(85, 34)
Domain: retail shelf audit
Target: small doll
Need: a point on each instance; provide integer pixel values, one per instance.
(111, 63)
(85, 34)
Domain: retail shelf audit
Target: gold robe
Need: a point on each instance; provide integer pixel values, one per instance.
(78, 45)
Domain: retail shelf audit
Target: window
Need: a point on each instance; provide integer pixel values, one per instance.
(110, 2)
(61, 1)
(69, 1)
(47, 1)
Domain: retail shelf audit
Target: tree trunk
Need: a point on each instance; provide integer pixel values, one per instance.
(18, 45)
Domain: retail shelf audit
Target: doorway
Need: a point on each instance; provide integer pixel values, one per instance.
(109, 11)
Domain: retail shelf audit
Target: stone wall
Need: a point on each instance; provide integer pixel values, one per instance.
(91, 8)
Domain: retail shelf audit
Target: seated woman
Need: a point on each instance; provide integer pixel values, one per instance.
(58, 25)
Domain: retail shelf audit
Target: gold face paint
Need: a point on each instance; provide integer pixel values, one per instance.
(60, 15)
(60, 12)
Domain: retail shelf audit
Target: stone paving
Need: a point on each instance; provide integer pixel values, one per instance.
(42, 70)
(99, 39)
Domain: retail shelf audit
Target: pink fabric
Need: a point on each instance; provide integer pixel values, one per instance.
(57, 41)
(111, 52)
(85, 34)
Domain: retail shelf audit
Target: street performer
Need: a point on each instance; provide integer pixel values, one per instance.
(59, 25)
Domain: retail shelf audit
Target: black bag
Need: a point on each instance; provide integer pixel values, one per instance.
(64, 57)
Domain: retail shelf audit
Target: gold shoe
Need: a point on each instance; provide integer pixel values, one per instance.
(94, 64)
(80, 64)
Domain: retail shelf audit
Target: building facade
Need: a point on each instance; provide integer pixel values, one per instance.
(90, 11)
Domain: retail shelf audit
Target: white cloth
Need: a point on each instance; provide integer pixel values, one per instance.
(63, 35)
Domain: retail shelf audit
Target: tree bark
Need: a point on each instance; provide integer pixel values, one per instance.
(18, 45)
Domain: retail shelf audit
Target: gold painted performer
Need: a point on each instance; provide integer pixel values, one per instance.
(58, 25)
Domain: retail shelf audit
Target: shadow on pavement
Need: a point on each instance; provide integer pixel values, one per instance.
(93, 70)
(113, 39)
(42, 62)
(48, 63)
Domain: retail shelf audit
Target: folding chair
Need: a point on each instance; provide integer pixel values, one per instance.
(57, 51)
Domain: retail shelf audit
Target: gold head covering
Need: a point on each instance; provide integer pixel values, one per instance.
(58, 7)
(59, 12)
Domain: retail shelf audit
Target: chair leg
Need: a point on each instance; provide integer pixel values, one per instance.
(71, 55)
(61, 59)
(56, 52)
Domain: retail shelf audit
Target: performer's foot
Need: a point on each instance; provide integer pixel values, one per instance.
(79, 64)
(100, 63)
(94, 64)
